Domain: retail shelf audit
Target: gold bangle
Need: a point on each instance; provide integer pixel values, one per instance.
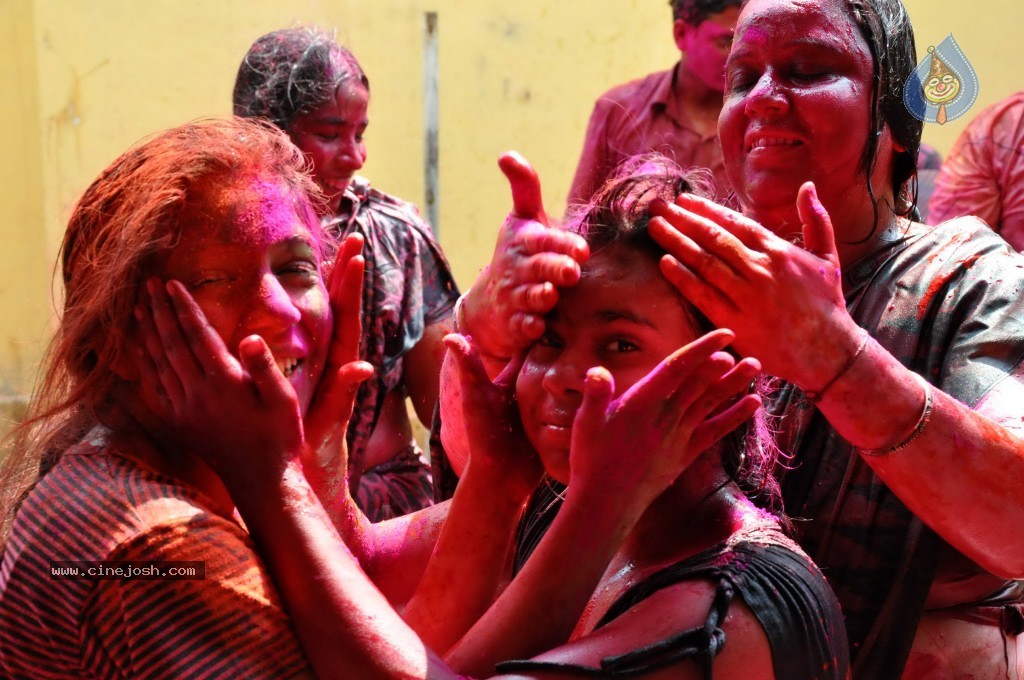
(815, 396)
(922, 422)
(459, 326)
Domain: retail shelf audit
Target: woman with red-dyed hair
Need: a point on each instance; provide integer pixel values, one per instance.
(124, 557)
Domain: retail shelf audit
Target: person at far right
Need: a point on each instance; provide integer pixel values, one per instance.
(984, 172)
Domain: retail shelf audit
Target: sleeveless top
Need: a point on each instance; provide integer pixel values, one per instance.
(784, 590)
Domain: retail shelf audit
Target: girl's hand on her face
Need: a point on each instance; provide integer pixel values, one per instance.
(785, 302)
(498, 445)
(328, 415)
(504, 310)
(633, 447)
(241, 416)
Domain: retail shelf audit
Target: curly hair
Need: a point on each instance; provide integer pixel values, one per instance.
(618, 216)
(291, 72)
(125, 221)
(694, 12)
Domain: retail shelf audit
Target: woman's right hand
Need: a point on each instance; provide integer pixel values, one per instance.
(633, 447)
(241, 416)
(504, 310)
(784, 301)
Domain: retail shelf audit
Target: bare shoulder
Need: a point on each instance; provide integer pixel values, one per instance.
(744, 652)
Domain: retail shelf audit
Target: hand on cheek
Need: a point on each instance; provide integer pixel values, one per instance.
(241, 416)
(329, 412)
(499, 448)
(633, 446)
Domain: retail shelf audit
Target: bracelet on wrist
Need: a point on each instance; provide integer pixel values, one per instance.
(458, 314)
(922, 422)
(816, 395)
(459, 326)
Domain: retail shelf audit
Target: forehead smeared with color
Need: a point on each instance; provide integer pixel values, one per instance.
(249, 209)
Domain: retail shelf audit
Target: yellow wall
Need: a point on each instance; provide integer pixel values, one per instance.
(83, 80)
(25, 253)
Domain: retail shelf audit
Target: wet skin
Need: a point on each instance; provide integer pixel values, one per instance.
(331, 136)
(622, 315)
(797, 108)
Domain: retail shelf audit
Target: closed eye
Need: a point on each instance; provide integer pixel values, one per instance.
(806, 74)
(205, 281)
(740, 81)
(303, 269)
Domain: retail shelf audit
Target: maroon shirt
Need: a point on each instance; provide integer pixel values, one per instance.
(638, 117)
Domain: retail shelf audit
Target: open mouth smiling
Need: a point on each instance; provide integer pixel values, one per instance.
(772, 143)
(288, 366)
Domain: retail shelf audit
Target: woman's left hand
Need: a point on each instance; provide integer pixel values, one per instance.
(326, 459)
(498, 446)
(784, 302)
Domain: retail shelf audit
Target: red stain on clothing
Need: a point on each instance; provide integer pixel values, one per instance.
(939, 283)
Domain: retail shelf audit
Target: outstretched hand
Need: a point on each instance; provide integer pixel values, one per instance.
(634, 446)
(785, 302)
(498, 446)
(504, 310)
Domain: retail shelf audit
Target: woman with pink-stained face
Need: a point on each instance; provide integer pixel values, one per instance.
(899, 345)
(196, 318)
(315, 90)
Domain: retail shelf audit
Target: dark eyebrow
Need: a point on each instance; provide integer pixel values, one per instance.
(826, 43)
(335, 120)
(609, 315)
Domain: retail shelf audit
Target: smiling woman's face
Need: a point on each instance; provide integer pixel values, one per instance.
(249, 258)
(623, 315)
(797, 105)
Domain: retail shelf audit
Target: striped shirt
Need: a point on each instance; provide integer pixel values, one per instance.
(96, 505)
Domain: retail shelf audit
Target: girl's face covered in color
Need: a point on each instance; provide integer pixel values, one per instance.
(248, 257)
(331, 136)
(623, 315)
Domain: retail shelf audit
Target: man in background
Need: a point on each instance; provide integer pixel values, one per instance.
(674, 112)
